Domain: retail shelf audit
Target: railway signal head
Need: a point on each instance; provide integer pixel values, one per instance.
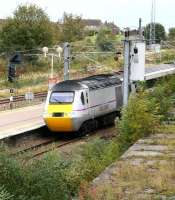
(15, 59)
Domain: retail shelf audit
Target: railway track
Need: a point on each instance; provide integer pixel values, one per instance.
(59, 145)
(37, 149)
(40, 145)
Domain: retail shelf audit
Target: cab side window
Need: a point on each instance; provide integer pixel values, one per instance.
(82, 99)
(87, 97)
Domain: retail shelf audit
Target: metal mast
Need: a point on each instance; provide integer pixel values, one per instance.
(152, 24)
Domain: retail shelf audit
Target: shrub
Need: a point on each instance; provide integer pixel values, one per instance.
(52, 176)
(161, 101)
(42, 179)
(138, 120)
(91, 160)
(104, 40)
(162, 96)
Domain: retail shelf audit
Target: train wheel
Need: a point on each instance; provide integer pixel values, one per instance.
(94, 125)
(88, 127)
(85, 129)
(107, 120)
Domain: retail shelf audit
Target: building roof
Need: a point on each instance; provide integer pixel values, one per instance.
(92, 22)
(111, 25)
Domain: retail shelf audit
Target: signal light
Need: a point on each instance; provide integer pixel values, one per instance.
(15, 59)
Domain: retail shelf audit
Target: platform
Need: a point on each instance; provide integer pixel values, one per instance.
(157, 71)
(145, 171)
(17, 121)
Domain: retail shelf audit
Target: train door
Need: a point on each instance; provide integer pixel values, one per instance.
(91, 104)
(85, 101)
(119, 97)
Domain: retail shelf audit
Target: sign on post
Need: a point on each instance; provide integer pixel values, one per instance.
(29, 96)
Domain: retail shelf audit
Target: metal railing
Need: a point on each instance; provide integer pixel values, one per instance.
(20, 101)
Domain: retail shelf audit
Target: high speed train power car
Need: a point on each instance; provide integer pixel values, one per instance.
(83, 104)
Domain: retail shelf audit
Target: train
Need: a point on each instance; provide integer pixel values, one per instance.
(83, 105)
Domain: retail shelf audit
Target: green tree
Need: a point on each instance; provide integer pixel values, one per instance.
(72, 28)
(29, 28)
(160, 33)
(171, 34)
(104, 40)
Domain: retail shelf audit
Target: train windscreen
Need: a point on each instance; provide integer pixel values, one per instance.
(62, 97)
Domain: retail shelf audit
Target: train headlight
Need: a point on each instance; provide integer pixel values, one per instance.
(69, 114)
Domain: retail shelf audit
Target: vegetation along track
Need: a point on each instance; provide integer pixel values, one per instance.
(41, 141)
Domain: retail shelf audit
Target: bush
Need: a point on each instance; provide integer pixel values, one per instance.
(138, 120)
(104, 40)
(53, 177)
(39, 180)
(162, 96)
(91, 160)
(161, 102)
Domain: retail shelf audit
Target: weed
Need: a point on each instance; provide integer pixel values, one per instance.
(4, 195)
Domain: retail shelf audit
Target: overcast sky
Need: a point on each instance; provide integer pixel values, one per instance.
(125, 13)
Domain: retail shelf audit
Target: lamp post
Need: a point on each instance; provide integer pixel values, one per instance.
(45, 50)
(58, 49)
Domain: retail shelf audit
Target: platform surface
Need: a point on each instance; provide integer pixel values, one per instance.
(17, 121)
(157, 71)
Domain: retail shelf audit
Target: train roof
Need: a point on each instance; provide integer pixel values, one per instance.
(93, 83)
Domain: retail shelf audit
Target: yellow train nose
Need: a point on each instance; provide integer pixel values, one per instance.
(57, 124)
(56, 118)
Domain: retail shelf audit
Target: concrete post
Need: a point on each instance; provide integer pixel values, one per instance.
(126, 71)
(140, 29)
